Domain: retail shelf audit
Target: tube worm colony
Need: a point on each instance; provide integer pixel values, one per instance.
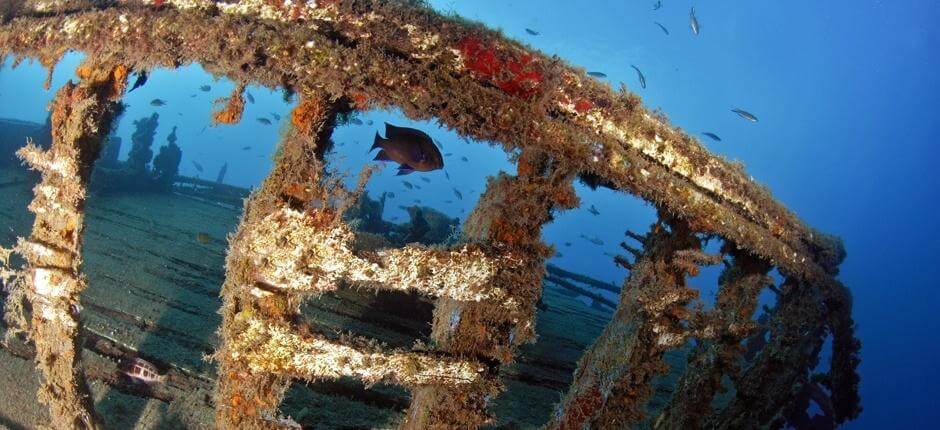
(292, 241)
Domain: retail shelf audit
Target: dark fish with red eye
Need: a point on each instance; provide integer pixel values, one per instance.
(412, 149)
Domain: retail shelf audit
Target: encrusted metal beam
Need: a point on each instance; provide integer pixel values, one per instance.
(508, 218)
(392, 53)
(797, 331)
(296, 254)
(248, 393)
(740, 285)
(52, 279)
(612, 382)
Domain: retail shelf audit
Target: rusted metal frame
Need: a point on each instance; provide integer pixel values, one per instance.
(507, 219)
(52, 279)
(246, 398)
(774, 380)
(429, 37)
(612, 382)
(442, 93)
(843, 378)
(740, 285)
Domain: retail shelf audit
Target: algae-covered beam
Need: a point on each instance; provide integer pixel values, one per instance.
(52, 280)
(297, 253)
(389, 53)
(277, 349)
(508, 218)
(245, 396)
(774, 380)
(612, 382)
(740, 286)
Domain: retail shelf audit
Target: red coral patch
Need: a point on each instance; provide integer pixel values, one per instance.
(519, 77)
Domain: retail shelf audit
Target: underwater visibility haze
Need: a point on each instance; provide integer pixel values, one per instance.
(508, 214)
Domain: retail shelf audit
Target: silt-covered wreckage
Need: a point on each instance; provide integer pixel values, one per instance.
(292, 242)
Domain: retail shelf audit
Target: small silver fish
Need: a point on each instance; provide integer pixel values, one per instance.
(205, 88)
(448, 154)
(157, 102)
(745, 114)
(275, 116)
(662, 27)
(390, 195)
(640, 76)
(245, 148)
(597, 74)
(457, 193)
(264, 121)
(593, 211)
(658, 5)
(251, 98)
(198, 166)
(464, 159)
(425, 179)
(356, 121)
(446, 175)
(595, 240)
(713, 136)
(693, 22)
(408, 185)
(532, 32)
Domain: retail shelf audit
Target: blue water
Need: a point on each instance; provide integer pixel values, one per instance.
(848, 101)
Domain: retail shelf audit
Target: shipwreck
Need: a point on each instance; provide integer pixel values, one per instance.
(293, 242)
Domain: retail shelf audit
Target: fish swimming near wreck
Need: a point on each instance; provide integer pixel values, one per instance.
(275, 116)
(711, 135)
(141, 370)
(595, 240)
(264, 121)
(412, 149)
(197, 166)
(531, 32)
(640, 76)
(745, 114)
(693, 22)
(157, 102)
(593, 211)
(458, 194)
(658, 5)
(140, 81)
(662, 27)
(203, 238)
(407, 185)
(251, 98)
(597, 74)
(205, 88)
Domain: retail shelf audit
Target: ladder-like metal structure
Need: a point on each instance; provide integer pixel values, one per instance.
(292, 240)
